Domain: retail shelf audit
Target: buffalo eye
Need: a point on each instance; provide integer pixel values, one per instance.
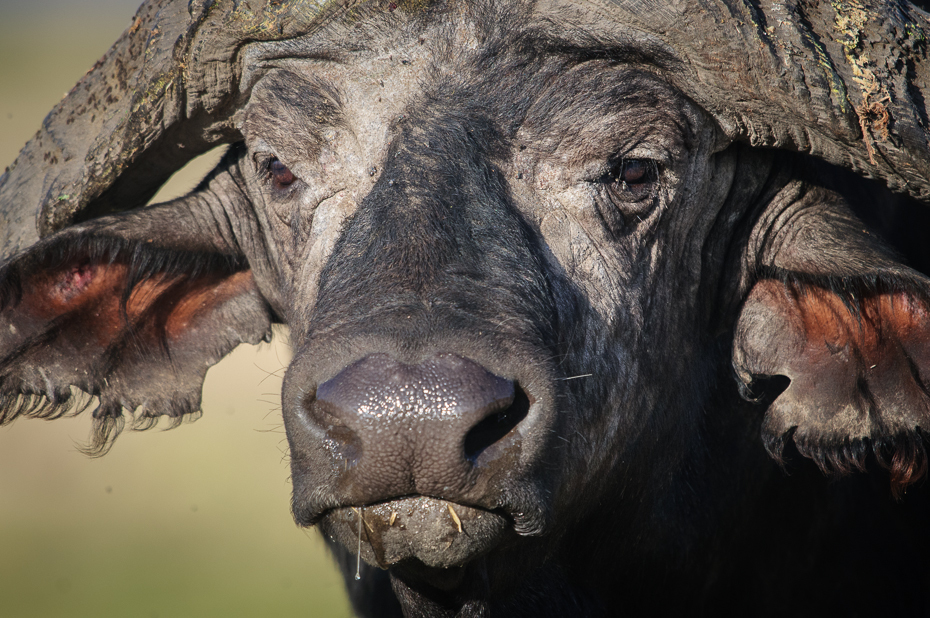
(627, 192)
(632, 179)
(634, 172)
(279, 173)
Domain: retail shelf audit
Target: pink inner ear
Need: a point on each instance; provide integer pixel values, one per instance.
(882, 326)
(86, 287)
(91, 295)
(73, 282)
(143, 352)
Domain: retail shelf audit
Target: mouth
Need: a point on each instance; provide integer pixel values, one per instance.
(431, 531)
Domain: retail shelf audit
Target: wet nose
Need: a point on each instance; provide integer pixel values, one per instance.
(416, 429)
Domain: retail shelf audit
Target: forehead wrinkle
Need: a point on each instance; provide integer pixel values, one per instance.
(587, 105)
(602, 89)
(357, 29)
(517, 67)
(583, 31)
(289, 110)
(365, 29)
(544, 46)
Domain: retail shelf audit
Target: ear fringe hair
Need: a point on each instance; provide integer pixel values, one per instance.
(109, 421)
(103, 433)
(775, 446)
(903, 455)
(36, 405)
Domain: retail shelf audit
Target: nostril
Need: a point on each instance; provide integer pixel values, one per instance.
(496, 425)
(414, 428)
(340, 438)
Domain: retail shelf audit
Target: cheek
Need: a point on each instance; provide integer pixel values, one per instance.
(590, 260)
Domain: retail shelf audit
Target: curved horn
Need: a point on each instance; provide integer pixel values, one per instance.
(844, 81)
(163, 94)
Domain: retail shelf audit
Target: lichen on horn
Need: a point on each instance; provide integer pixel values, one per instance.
(843, 80)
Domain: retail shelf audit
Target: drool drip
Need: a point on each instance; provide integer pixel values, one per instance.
(358, 555)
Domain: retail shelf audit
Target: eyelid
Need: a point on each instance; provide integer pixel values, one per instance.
(263, 157)
(647, 168)
(611, 170)
(661, 156)
(281, 173)
(263, 161)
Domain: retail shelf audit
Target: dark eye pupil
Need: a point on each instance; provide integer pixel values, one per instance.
(634, 172)
(281, 174)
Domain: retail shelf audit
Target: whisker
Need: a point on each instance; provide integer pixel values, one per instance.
(358, 556)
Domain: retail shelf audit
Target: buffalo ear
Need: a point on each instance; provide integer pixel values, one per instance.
(857, 355)
(135, 326)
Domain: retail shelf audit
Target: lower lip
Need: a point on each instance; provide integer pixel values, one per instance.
(438, 533)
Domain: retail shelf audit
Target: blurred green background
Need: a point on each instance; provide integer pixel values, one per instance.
(182, 523)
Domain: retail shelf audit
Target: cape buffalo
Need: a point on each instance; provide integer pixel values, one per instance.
(581, 293)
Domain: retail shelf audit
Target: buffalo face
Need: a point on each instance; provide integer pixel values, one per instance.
(483, 279)
(519, 264)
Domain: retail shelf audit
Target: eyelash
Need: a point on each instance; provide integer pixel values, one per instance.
(632, 180)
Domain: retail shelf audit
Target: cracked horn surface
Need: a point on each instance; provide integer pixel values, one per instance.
(845, 81)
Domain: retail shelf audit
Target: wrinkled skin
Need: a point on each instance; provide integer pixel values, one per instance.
(512, 185)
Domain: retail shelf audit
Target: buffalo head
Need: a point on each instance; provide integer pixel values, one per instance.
(521, 248)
